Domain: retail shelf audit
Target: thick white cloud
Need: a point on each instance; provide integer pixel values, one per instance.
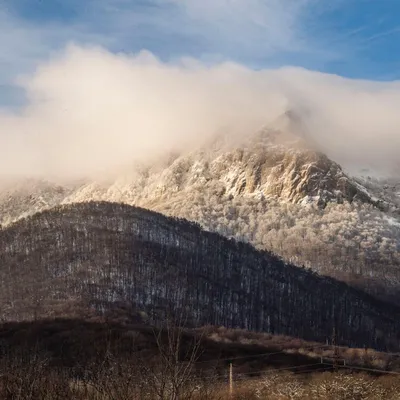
(92, 111)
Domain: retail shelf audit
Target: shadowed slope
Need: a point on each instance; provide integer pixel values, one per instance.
(100, 254)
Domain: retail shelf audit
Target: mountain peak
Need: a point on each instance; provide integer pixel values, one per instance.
(276, 162)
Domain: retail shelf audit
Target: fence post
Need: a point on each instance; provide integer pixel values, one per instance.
(230, 380)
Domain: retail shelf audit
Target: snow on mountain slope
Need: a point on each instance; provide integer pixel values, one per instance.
(386, 189)
(259, 167)
(28, 197)
(272, 189)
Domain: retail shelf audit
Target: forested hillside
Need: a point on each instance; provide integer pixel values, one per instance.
(102, 254)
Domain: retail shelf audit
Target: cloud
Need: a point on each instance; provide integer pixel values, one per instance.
(90, 111)
(256, 32)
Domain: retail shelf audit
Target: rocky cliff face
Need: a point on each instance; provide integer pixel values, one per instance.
(293, 175)
(258, 168)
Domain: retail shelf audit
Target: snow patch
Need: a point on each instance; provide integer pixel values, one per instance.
(392, 221)
(365, 191)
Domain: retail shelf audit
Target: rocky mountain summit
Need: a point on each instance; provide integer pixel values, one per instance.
(271, 164)
(264, 169)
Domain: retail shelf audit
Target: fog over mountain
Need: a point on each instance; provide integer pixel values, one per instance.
(91, 112)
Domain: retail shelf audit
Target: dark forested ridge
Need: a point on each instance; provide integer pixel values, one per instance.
(101, 254)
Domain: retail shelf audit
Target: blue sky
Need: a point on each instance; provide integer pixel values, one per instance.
(351, 38)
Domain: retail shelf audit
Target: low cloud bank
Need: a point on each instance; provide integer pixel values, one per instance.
(90, 112)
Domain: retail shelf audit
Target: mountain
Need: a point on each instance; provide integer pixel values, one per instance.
(97, 256)
(273, 189)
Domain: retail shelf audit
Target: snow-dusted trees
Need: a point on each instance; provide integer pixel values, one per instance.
(325, 386)
(103, 253)
(347, 241)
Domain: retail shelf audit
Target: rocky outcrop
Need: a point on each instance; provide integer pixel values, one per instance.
(264, 169)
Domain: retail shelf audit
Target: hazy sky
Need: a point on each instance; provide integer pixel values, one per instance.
(77, 93)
